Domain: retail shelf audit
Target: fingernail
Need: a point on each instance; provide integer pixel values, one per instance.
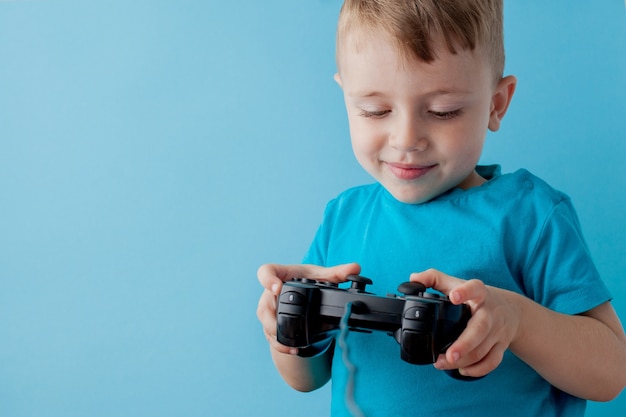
(456, 356)
(275, 288)
(293, 351)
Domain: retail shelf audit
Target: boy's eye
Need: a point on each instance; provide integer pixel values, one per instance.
(446, 115)
(376, 114)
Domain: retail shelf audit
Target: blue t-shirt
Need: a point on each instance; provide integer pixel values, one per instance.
(513, 232)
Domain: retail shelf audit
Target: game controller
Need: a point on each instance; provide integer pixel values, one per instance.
(309, 313)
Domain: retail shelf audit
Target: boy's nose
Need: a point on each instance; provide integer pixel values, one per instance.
(408, 137)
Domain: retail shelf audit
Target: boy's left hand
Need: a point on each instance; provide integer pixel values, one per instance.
(493, 327)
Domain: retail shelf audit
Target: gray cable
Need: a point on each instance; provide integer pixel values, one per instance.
(355, 410)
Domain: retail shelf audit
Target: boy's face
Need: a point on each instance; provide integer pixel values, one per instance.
(418, 128)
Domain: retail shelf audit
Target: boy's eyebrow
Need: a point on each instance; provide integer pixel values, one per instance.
(371, 94)
(438, 92)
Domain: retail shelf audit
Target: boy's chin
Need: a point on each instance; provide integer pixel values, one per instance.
(412, 197)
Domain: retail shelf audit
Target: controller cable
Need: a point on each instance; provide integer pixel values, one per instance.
(354, 408)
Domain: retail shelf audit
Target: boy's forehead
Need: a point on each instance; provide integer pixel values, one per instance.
(359, 43)
(369, 64)
(358, 40)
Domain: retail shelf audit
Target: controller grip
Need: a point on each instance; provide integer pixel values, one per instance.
(416, 347)
(291, 330)
(317, 348)
(454, 373)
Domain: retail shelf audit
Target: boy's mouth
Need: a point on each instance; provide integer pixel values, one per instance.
(408, 172)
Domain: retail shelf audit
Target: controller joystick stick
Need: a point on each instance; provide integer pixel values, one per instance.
(358, 283)
(412, 288)
(424, 324)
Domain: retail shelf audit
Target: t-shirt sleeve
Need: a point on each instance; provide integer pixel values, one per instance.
(561, 274)
(317, 253)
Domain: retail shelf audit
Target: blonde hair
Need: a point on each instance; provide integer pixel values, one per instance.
(415, 25)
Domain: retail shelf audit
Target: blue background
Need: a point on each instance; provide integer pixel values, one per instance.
(153, 154)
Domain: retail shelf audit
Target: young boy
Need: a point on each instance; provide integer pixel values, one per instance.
(422, 81)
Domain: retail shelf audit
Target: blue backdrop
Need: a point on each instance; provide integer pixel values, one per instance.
(154, 153)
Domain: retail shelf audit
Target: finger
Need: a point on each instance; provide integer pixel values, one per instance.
(456, 358)
(487, 364)
(271, 276)
(337, 273)
(267, 303)
(266, 313)
(433, 278)
(474, 345)
(477, 338)
(467, 348)
(274, 344)
(477, 358)
(282, 348)
(472, 292)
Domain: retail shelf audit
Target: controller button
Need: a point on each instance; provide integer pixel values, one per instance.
(291, 297)
(417, 313)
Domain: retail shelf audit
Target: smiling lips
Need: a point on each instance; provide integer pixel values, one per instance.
(408, 172)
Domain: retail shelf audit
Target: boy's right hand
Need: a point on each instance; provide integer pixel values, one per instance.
(272, 276)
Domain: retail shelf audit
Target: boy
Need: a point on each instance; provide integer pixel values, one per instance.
(422, 82)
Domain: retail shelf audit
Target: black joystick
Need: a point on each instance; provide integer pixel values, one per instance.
(424, 324)
(358, 283)
(412, 288)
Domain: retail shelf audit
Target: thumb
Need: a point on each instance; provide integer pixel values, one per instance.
(271, 276)
(336, 274)
(437, 280)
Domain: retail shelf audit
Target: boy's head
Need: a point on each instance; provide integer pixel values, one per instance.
(422, 81)
(415, 26)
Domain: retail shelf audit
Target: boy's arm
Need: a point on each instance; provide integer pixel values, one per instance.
(303, 374)
(583, 355)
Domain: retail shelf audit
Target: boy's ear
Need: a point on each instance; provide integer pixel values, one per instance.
(500, 101)
(338, 79)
